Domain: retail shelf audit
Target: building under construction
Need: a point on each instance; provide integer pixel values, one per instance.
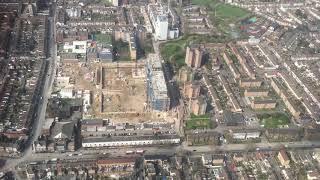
(156, 85)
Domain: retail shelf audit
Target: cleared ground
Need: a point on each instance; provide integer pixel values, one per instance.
(117, 92)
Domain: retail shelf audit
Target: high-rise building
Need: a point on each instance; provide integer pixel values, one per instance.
(161, 27)
(192, 89)
(194, 57)
(185, 74)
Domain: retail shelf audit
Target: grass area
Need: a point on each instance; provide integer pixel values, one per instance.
(175, 51)
(222, 15)
(199, 122)
(273, 120)
(205, 116)
(231, 12)
(105, 39)
(121, 50)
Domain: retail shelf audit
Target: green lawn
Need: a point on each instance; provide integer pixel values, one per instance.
(103, 38)
(232, 12)
(273, 120)
(122, 50)
(223, 15)
(199, 122)
(175, 51)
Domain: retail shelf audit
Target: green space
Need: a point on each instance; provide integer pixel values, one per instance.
(174, 51)
(199, 122)
(204, 116)
(121, 49)
(273, 120)
(224, 16)
(105, 39)
(105, 2)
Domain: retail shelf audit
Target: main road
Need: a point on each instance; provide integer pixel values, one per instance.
(39, 113)
(173, 150)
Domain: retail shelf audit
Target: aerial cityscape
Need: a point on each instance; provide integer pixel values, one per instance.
(160, 89)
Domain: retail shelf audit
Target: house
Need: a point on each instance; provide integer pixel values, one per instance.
(313, 175)
(206, 159)
(70, 146)
(252, 134)
(284, 134)
(116, 162)
(30, 173)
(50, 147)
(218, 160)
(206, 137)
(241, 135)
(2, 149)
(312, 134)
(151, 169)
(283, 158)
(60, 146)
(39, 146)
(244, 134)
(12, 147)
(238, 157)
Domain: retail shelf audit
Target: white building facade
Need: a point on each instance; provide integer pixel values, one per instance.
(105, 142)
(161, 28)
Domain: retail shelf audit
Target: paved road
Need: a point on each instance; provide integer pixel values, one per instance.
(173, 150)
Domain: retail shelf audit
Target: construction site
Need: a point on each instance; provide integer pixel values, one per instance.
(117, 90)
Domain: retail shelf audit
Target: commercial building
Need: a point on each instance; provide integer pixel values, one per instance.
(78, 47)
(117, 141)
(194, 57)
(198, 106)
(105, 55)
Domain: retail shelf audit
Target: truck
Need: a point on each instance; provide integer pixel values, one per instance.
(139, 151)
(129, 152)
